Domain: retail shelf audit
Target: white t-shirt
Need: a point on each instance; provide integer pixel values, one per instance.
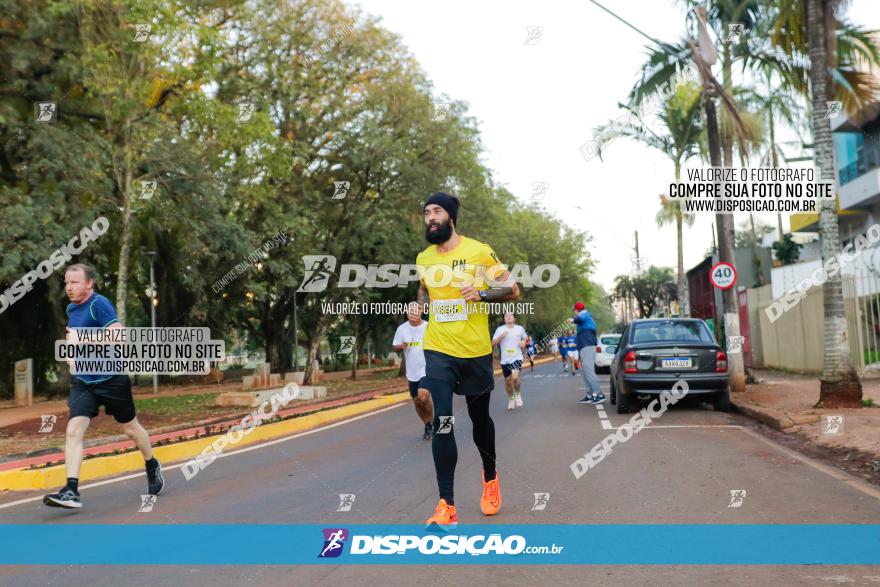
(511, 337)
(414, 336)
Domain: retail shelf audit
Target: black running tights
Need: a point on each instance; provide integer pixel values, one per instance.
(443, 445)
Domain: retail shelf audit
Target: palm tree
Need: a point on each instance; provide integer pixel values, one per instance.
(775, 104)
(849, 49)
(669, 212)
(840, 383)
(681, 119)
(835, 69)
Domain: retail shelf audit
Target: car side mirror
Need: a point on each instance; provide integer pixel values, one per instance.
(611, 350)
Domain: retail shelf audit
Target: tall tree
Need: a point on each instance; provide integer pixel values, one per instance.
(840, 385)
(838, 68)
(648, 289)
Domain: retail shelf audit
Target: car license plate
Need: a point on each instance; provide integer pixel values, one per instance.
(675, 363)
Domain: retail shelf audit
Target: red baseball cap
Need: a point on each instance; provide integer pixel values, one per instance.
(579, 306)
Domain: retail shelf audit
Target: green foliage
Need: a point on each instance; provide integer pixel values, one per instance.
(650, 289)
(336, 98)
(787, 251)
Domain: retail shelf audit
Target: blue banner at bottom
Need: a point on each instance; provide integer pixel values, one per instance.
(520, 544)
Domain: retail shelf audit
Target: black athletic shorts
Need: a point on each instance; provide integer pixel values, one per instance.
(507, 369)
(114, 394)
(448, 374)
(413, 388)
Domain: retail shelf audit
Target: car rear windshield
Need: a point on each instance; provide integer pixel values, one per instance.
(610, 339)
(671, 332)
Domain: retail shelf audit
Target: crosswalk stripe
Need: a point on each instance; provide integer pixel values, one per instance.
(603, 417)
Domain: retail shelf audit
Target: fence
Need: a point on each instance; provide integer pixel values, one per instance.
(796, 339)
(864, 288)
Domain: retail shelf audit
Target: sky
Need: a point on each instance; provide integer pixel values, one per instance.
(537, 99)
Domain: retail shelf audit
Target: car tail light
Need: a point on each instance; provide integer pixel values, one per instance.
(720, 362)
(598, 350)
(629, 363)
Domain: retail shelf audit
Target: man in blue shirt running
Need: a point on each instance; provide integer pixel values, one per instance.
(89, 309)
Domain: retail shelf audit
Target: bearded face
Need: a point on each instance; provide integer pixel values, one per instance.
(438, 232)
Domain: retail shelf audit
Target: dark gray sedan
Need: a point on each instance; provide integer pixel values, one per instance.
(655, 353)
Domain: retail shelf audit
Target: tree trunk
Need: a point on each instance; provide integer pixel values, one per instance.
(774, 159)
(727, 82)
(314, 344)
(286, 348)
(356, 351)
(270, 336)
(840, 385)
(123, 184)
(684, 303)
(755, 259)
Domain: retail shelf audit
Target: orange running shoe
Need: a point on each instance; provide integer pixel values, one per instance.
(490, 503)
(444, 516)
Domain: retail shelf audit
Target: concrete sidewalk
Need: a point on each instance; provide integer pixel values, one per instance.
(787, 402)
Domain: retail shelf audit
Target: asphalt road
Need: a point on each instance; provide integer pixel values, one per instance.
(680, 469)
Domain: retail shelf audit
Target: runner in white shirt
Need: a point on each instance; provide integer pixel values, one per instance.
(554, 348)
(511, 339)
(409, 339)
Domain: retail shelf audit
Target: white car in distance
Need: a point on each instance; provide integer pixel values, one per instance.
(603, 358)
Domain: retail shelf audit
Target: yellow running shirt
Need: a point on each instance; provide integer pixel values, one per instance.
(452, 329)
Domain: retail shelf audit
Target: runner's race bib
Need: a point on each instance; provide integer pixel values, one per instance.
(449, 310)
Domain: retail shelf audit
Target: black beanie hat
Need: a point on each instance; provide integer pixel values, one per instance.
(447, 202)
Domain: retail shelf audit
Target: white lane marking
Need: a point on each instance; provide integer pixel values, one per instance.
(652, 426)
(220, 455)
(603, 417)
(539, 375)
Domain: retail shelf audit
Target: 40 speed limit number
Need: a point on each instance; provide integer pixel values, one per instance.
(722, 275)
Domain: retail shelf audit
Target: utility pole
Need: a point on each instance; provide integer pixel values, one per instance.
(638, 259)
(705, 56)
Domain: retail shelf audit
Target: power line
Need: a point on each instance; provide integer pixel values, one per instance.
(632, 26)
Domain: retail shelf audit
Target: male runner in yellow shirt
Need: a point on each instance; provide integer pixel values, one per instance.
(458, 274)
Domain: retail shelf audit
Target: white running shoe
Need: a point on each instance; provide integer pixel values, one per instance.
(518, 400)
(511, 404)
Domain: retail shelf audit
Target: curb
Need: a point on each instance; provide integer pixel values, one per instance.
(49, 477)
(190, 431)
(25, 479)
(768, 416)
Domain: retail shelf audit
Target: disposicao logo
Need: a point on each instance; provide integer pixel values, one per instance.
(334, 540)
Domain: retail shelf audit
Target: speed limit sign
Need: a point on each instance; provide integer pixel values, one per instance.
(722, 275)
